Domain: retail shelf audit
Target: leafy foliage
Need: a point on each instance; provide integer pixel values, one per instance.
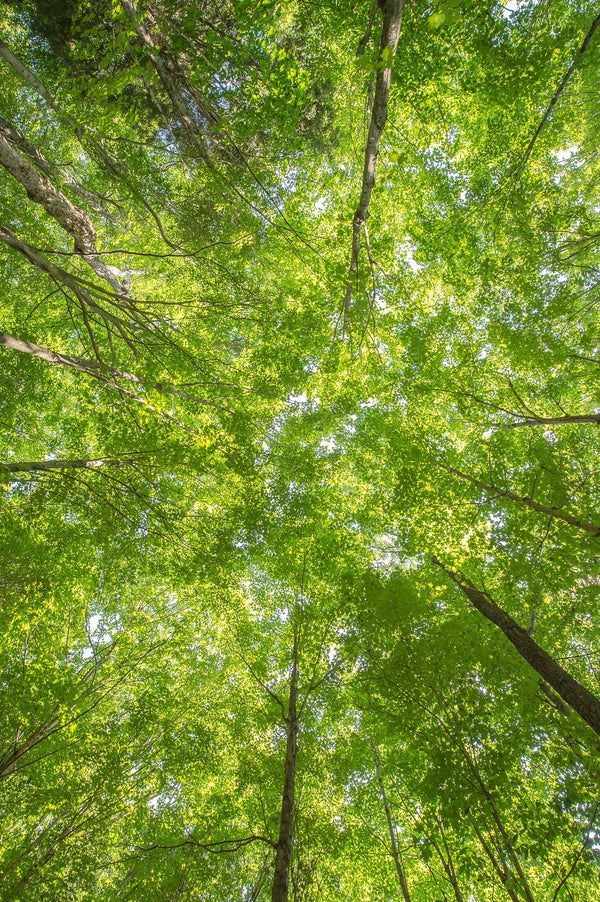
(229, 463)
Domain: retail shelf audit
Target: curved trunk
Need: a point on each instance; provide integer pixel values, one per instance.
(74, 221)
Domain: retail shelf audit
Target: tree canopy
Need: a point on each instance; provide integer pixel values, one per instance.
(299, 408)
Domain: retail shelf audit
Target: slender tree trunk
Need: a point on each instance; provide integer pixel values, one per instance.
(554, 421)
(283, 858)
(570, 690)
(114, 165)
(392, 832)
(447, 863)
(106, 376)
(43, 466)
(390, 34)
(101, 371)
(499, 868)
(20, 749)
(167, 70)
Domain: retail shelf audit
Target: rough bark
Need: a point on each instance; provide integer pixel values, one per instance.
(392, 832)
(390, 34)
(557, 513)
(18, 140)
(51, 169)
(283, 858)
(567, 687)
(88, 142)
(74, 221)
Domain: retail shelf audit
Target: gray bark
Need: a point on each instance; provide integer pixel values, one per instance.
(74, 221)
(553, 421)
(20, 748)
(567, 687)
(390, 34)
(283, 858)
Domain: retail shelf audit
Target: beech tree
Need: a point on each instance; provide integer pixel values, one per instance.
(298, 451)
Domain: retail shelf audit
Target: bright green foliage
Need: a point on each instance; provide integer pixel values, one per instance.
(212, 472)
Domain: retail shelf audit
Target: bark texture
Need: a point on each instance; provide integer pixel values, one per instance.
(283, 858)
(567, 687)
(74, 221)
(390, 34)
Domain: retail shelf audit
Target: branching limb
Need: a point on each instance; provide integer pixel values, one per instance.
(558, 92)
(392, 20)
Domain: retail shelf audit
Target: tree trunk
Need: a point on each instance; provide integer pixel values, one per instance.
(20, 749)
(102, 372)
(392, 832)
(447, 863)
(74, 221)
(43, 466)
(390, 34)
(283, 858)
(570, 690)
(498, 866)
(167, 71)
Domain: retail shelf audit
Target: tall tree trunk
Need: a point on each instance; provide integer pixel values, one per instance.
(392, 832)
(107, 375)
(570, 690)
(447, 862)
(283, 858)
(51, 169)
(390, 34)
(167, 70)
(44, 466)
(113, 165)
